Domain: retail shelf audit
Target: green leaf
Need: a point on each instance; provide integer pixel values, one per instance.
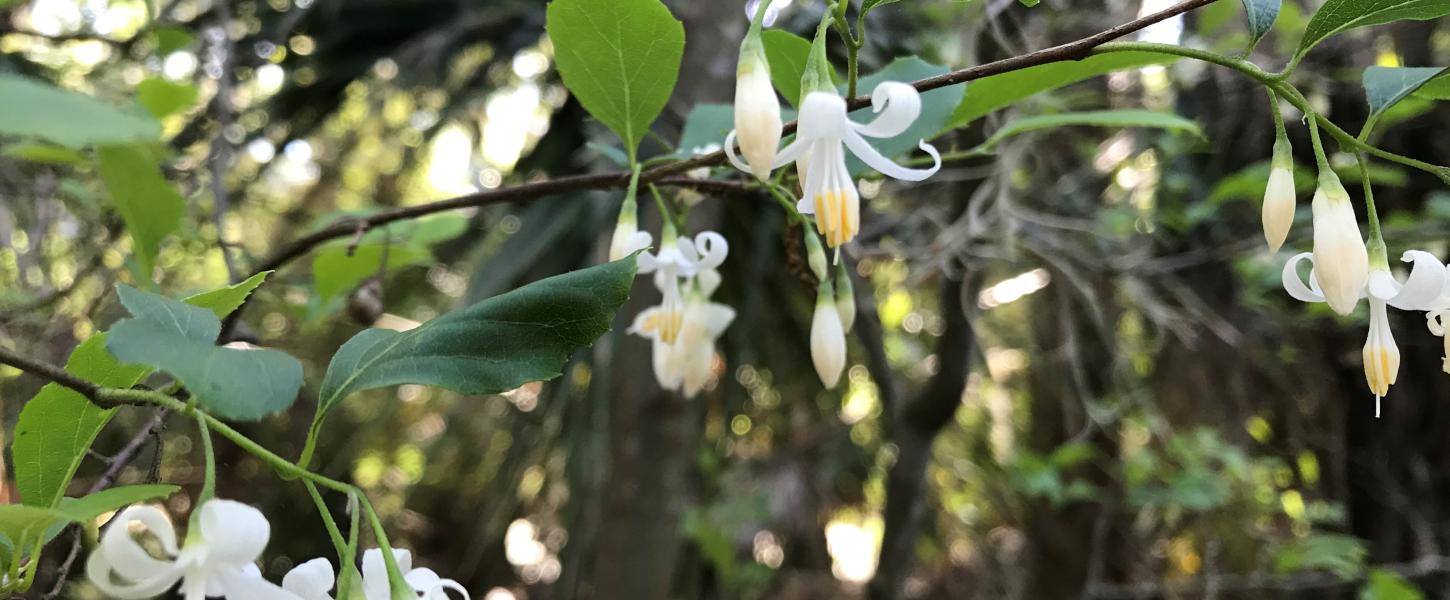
(936, 108)
(707, 125)
(336, 273)
(94, 505)
(1261, 15)
(178, 338)
(1388, 585)
(21, 523)
(58, 424)
(786, 52)
(1384, 86)
(490, 347)
(990, 94)
(1435, 89)
(1339, 15)
(1099, 118)
(170, 38)
(1341, 555)
(44, 153)
(223, 301)
(1029, 3)
(620, 58)
(148, 204)
(35, 109)
(163, 98)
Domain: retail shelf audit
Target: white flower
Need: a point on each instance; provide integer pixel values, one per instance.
(828, 338)
(1437, 318)
(686, 364)
(757, 111)
(1279, 197)
(217, 560)
(771, 12)
(313, 579)
(1420, 291)
(830, 191)
(678, 258)
(1340, 256)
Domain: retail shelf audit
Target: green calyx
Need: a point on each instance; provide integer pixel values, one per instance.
(825, 294)
(1283, 153)
(818, 74)
(1330, 186)
(1378, 253)
(752, 53)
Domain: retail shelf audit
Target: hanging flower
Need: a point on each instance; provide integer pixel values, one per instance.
(313, 579)
(824, 135)
(1340, 256)
(828, 337)
(757, 111)
(1420, 291)
(677, 258)
(1279, 196)
(218, 558)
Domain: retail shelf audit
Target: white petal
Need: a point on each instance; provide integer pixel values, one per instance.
(816, 174)
(642, 326)
(688, 257)
(669, 371)
(647, 263)
(431, 586)
(789, 153)
(375, 572)
(1382, 285)
(708, 280)
(713, 249)
(717, 317)
(1422, 288)
(235, 533)
(124, 554)
(730, 153)
(896, 104)
(875, 160)
(822, 116)
(237, 584)
(103, 574)
(1294, 285)
(310, 580)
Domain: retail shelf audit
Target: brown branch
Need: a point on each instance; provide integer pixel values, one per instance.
(49, 372)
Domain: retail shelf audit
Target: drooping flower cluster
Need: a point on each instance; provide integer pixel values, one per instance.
(218, 559)
(685, 324)
(1344, 268)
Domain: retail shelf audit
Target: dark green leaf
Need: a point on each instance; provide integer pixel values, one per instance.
(178, 338)
(620, 58)
(786, 52)
(163, 98)
(58, 424)
(989, 94)
(89, 507)
(1099, 118)
(493, 346)
(1384, 86)
(1260, 15)
(148, 204)
(223, 301)
(936, 108)
(1338, 15)
(37, 109)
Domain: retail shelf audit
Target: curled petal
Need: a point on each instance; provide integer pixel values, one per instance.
(731, 155)
(431, 586)
(310, 580)
(126, 556)
(713, 249)
(1295, 286)
(236, 533)
(896, 104)
(1422, 287)
(875, 160)
(648, 263)
(127, 586)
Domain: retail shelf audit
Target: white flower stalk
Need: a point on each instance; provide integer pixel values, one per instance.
(677, 258)
(1341, 259)
(1279, 196)
(1420, 291)
(828, 338)
(218, 558)
(314, 579)
(627, 237)
(757, 111)
(825, 134)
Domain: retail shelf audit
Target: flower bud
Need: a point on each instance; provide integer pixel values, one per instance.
(627, 239)
(1279, 197)
(757, 111)
(1341, 260)
(845, 297)
(828, 339)
(815, 255)
(1381, 355)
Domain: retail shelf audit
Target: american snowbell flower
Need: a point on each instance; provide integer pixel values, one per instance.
(217, 559)
(1279, 196)
(823, 135)
(1420, 291)
(686, 365)
(1341, 259)
(313, 579)
(627, 237)
(757, 111)
(677, 258)
(828, 337)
